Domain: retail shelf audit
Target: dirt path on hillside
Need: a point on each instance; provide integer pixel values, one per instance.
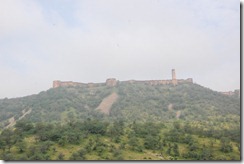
(13, 121)
(24, 114)
(107, 103)
(178, 113)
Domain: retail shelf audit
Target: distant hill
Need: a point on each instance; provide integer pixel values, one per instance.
(134, 102)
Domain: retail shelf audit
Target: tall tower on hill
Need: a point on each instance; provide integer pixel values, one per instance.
(174, 80)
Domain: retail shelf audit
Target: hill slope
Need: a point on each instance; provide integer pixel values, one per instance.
(126, 122)
(135, 102)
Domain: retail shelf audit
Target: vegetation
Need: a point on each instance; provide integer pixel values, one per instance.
(99, 140)
(162, 122)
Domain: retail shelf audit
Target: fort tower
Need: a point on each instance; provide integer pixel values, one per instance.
(56, 83)
(174, 80)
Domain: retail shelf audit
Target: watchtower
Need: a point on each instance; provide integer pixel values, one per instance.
(174, 80)
(56, 83)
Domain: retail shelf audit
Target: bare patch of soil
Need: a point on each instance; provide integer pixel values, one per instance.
(107, 103)
(178, 113)
(12, 121)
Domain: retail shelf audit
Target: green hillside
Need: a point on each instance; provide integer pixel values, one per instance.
(144, 122)
(138, 102)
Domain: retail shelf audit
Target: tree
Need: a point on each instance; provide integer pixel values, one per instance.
(148, 128)
(117, 155)
(73, 138)
(135, 144)
(61, 156)
(225, 145)
(62, 141)
(174, 135)
(45, 146)
(21, 146)
(9, 138)
(239, 147)
(169, 151)
(79, 155)
(164, 142)
(24, 126)
(192, 146)
(206, 154)
(176, 150)
(116, 130)
(37, 156)
(188, 139)
(95, 127)
(176, 125)
(7, 156)
(2, 144)
(151, 142)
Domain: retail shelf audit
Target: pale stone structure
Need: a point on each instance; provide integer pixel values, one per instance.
(231, 93)
(112, 82)
(174, 80)
(58, 83)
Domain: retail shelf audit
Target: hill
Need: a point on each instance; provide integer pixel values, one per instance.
(135, 102)
(128, 121)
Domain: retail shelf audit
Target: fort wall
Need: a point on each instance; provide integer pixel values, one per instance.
(58, 83)
(231, 93)
(112, 82)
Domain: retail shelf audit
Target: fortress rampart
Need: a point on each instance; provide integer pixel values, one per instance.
(58, 83)
(111, 82)
(231, 93)
(161, 82)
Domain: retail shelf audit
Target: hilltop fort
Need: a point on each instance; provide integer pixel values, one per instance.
(113, 82)
(231, 93)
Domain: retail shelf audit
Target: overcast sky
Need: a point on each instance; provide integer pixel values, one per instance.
(92, 40)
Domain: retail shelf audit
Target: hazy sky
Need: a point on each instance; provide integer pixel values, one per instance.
(92, 40)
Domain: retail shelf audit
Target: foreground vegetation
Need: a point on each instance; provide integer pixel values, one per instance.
(97, 140)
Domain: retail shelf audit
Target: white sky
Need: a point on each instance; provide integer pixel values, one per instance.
(90, 41)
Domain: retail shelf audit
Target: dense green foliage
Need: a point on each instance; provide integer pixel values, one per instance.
(100, 140)
(146, 102)
(137, 102)
(162, 122)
